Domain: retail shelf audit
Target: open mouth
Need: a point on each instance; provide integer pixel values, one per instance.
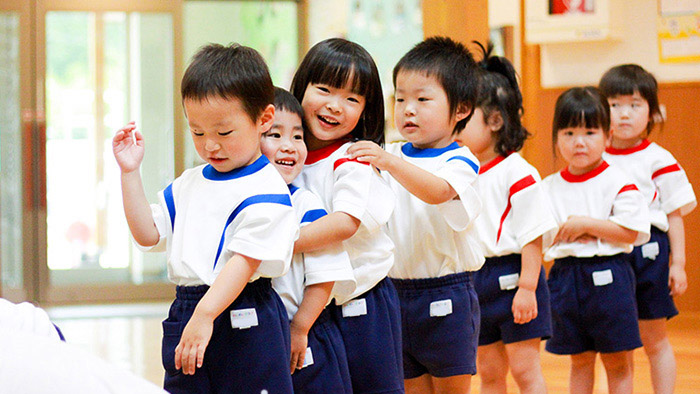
(328, 121)
(409, 124)
(286, 162)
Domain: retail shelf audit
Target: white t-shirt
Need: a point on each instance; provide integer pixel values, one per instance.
(659, 177)
(26, 317)
(206, 216)
(516, 209)
(605, 193)
(435, 240)
(354, 188)
(34, 364)
(328, 265)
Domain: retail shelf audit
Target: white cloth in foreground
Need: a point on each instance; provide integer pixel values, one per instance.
(33, 364)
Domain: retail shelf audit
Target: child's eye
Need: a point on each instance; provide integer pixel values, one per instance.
(273, 135)
(323, 88)
(226, 133)
(299, 137)
(399, 100)
(197, 134)
(613, 105)
(423, 99)
(353, 99)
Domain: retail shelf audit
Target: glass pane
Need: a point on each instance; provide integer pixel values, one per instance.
(268, 26)
(10, 154)
(88, 239)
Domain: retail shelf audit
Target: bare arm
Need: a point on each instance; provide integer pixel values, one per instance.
(677, 278)
(330, 229)
(429, 188)
(525, 300)
(189, 353)
(315, 298)
(128, 149)
(582, 227)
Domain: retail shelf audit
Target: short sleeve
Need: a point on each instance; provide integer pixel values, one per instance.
(265, 231)
(675, 191)
(330, 264)
(630, 211)
(362, 193)
(460, 172)
(532, 216)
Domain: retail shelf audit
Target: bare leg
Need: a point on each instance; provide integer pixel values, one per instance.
(658, 349)
(459, 384)
(618, 367)
(492, 364)
(419, 385)
(582, 373)
(524, 361)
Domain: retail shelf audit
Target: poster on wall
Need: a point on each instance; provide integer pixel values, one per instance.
(559, 7)
(679, 31)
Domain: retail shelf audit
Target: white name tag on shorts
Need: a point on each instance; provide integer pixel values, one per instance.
(244, 318)
(357, 307)
(308, 358)
(602, 278)
(650, 250)
(509, 282)
(440, 308)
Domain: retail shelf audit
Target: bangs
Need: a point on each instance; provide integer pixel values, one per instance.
(581, 107)
(587, 118)
(339, 70)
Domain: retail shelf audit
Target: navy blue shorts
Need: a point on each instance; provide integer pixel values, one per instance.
(497, 321)
(586, 317)
(441, 345)
(329, 372)
(373, 340)
(236, 360)
(654, 300)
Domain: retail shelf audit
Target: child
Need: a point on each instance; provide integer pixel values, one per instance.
(634, 110)
(338, 86)
(513, 294)
(318, 363)
(436, 87)
(225, 224)
(601, 217)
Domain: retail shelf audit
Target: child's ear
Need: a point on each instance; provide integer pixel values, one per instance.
(267, 118)
(463, 110)
(495, 121)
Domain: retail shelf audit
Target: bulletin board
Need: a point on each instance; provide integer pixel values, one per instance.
(679, 31)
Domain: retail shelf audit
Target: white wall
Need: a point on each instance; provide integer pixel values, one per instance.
(584, 63)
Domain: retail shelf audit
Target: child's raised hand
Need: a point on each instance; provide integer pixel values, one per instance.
(189, 353)
(524, 306)
(677, 280)
(299, 342)
(370, 152)
(128, 149)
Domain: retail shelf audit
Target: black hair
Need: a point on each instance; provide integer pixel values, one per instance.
(285, 101)
(499, 92)
(452, 64)
(336, 62)
(626, 79)
(229, 72)
(581, 107)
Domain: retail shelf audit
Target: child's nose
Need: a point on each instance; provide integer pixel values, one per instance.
(211, 145)
(409, 109)
(333, 105)
(287, 146)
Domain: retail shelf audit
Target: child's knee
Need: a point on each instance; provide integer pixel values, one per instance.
(617, 364)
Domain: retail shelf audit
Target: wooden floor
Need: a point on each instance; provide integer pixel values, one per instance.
(130, 336)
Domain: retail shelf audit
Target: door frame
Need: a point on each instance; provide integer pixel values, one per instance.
(40, 286)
